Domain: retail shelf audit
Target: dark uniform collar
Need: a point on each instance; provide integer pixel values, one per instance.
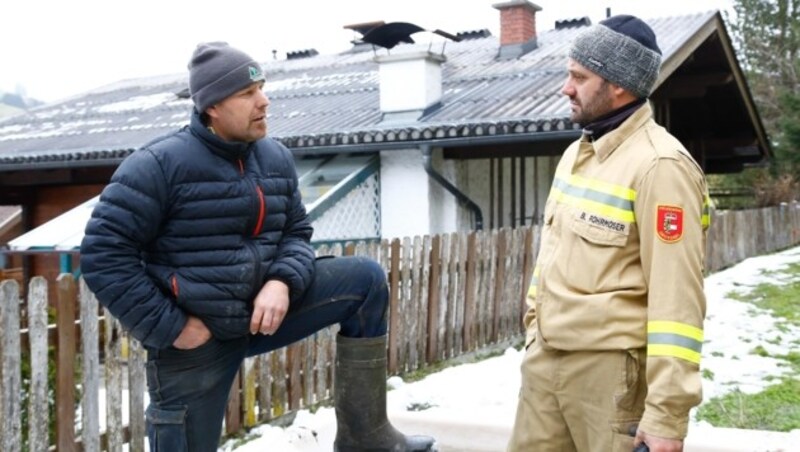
(610, 121)
(634, 116)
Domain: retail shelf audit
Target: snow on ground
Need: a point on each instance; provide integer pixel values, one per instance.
(485, 393)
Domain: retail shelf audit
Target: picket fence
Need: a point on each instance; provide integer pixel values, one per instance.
(449, 295)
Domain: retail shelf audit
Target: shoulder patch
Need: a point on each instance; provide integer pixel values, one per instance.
(669, 223)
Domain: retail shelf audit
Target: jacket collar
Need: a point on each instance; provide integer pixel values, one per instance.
(230, 150)
(608, 143)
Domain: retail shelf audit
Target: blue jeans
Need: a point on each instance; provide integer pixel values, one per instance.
(189, 388)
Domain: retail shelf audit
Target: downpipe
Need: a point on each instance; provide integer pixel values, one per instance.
(460, 196)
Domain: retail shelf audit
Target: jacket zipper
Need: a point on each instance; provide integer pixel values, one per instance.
(262, 213)
(262, 205)
(175, 289)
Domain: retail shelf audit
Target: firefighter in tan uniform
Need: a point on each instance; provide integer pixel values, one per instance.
(615, 323)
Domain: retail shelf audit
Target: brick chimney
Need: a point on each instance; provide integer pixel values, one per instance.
(517, 27)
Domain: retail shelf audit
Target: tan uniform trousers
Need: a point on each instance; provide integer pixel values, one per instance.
(579, 401)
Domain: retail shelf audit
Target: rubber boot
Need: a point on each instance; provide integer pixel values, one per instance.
(360, 397)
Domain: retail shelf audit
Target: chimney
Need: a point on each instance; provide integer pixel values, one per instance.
(410, 84)
(517, 28)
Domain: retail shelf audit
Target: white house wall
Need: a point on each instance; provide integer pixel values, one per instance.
(405, 195)
(444, 207)
(414, 204)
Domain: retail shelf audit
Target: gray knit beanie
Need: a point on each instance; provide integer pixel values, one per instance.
(217, 70)
(623, 50)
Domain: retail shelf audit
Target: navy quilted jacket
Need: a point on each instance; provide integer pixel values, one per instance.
(193, 224)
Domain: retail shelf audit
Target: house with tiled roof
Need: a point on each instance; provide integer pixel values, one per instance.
(422, 138)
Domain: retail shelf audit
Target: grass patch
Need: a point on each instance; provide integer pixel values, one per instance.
(708, 374)
(777, 408)
(782, 300)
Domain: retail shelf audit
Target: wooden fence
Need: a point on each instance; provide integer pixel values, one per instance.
(736, 235)
(449, 295)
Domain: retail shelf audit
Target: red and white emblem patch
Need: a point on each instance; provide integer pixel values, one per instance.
(669, 223)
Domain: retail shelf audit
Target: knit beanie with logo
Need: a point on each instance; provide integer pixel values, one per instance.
(623, 50)
(217, 70)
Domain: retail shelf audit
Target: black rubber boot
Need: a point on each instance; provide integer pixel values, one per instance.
(360, 397)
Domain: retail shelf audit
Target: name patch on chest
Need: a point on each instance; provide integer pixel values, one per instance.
(604, 222)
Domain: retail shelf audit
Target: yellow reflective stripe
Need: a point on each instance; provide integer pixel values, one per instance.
(674, 339)
(615, 190)
(534, 282)
(596, 196)
(682, 329)
(673, 351)
(705, 220)
(594, 207)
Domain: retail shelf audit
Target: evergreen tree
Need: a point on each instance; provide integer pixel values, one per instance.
(766, 34)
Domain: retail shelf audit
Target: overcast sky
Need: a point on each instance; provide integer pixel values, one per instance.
(59, 48)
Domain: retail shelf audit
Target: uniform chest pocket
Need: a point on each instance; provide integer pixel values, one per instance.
(600, 230)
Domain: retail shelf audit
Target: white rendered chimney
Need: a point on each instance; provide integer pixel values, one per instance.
(410, 83)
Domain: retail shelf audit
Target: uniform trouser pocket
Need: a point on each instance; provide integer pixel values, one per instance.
(166, 429)
(622, 435)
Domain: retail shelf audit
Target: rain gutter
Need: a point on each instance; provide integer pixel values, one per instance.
(464, 199)
(373, 146)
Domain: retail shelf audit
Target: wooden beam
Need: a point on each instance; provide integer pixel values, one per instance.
(693, 86)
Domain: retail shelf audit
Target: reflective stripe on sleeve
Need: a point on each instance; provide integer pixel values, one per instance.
(674, 339)
(602, 198)
(705, 220)
(534, 283)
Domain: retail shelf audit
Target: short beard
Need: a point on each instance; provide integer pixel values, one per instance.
(599, 105)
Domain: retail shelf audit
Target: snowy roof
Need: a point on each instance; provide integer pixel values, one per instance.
(326, 101)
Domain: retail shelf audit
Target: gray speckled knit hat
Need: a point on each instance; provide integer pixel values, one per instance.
(217, 70)
(623, 50)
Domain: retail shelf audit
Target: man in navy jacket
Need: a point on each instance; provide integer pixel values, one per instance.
(200, 247)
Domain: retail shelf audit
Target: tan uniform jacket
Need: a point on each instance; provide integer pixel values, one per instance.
(620, 264)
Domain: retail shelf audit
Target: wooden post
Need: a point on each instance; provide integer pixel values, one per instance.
(38, 414)
(294, 353)
(113, 363)
(137, 385)
(500, 280)
(469, 297)
(433, 300)
(90, 354)
(233, 411)
(394, 301)
(280, 396)
(527, 269)
(249, 392)
(11, 434)
(65, 364)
